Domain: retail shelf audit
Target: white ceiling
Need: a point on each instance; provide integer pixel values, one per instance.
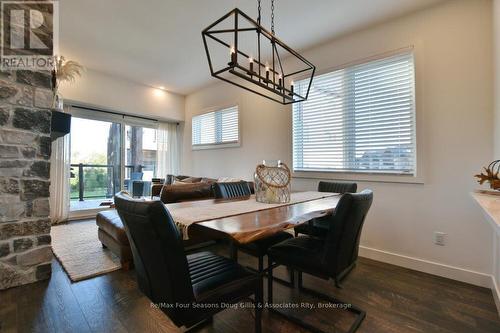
(158, 42)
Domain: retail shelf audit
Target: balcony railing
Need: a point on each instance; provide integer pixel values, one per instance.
(96, 181)
(93, 181)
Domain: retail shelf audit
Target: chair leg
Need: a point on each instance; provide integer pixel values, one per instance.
(263, 271)
(260, 268)
(258, 305)
(261, 264)
(292, 277)
(290, 284)
(233, 251)
(196, 327)
(126, 265)
(343, 274)
(360, 314)
(269, 281)
(258, 318)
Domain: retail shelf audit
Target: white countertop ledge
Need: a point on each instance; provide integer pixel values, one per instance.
(490, 204)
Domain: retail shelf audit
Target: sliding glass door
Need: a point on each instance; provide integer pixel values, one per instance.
(140, 159)
(110, 153)
(95, 162)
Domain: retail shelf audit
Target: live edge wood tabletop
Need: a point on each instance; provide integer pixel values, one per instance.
(248, 227)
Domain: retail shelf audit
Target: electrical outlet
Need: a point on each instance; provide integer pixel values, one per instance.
(439, 238)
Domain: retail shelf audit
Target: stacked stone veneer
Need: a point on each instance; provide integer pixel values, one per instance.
(25, 251)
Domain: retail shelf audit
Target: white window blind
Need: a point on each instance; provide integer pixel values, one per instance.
(218, 127)
(358, 119)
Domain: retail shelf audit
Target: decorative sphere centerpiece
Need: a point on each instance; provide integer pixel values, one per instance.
(272, 182)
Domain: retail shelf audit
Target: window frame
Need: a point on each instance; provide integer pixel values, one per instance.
(79, 110)
(368, 175)
(221, 145)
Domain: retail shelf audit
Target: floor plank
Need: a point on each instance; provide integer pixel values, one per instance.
(61, 309)
(99, 315)
(8, 310)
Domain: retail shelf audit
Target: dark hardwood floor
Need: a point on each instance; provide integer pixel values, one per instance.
(395, 299)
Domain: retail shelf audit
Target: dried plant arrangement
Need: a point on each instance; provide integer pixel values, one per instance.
(490, 175)
(64, 71)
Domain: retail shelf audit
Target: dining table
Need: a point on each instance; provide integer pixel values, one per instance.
(239, 226)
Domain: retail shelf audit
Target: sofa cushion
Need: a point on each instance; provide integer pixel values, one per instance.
(188, 180)
(170, 179)
(187, 192)
(208, 180)
(110, 222)
(228, 180)
(180, 183)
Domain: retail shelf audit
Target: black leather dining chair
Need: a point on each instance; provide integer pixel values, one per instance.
(256, 248)
(319, 227)
(333, 257)
(231, 190)
(169, 278)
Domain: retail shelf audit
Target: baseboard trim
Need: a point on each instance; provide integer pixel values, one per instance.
(426, 266)
(85, 214)
(496, 293)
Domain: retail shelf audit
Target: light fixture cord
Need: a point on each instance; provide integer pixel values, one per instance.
(272, 17)
(258, 9)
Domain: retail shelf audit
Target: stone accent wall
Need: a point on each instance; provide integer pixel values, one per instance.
(25, 251)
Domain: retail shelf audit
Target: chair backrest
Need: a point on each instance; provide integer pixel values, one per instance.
(231, 190)
(159, 258)
(342, 241)
(137, 188)
(337, 187)
(136, 175)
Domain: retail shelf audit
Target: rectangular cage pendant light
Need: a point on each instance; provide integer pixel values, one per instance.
(242, 52)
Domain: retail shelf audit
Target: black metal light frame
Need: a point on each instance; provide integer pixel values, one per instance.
(282, 93)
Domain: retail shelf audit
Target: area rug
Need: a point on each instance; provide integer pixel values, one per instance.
(79, 251)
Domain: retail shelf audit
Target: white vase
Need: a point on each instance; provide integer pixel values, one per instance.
(58, 103)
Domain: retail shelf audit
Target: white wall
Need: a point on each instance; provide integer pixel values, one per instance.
(265, 133)
(453, 53)
(98, 89)
(496, 44)
(496, 268)
(496, 56)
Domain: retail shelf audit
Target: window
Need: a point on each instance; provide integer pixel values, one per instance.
(358, 119)
(215, 128)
